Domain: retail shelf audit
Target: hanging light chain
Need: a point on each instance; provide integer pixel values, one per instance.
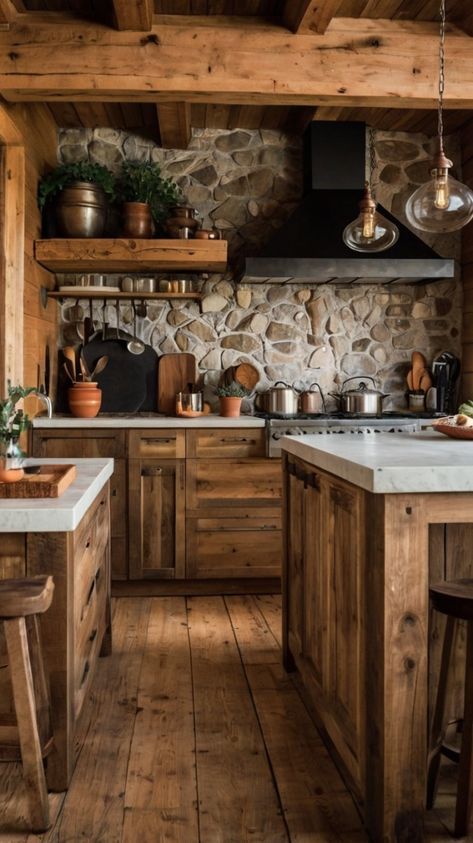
(372, 161)
(441, 69)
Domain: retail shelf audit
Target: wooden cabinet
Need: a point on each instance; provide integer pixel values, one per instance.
(77, 627)
(157, 518)
(95, 443)
(324, 616)
(195, 503)
(233, 496)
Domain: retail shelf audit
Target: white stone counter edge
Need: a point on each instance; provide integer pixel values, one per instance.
(62, 514)
(430, 462)
(156, 422)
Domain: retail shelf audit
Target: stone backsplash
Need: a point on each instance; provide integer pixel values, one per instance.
(246, 183)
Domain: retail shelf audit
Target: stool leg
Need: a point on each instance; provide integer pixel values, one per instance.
(464, 795)
(439, 720)
(23, 695)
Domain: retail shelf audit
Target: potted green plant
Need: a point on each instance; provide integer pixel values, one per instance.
(230, 399)
(12, 424)
(81, 192)
(146, 197)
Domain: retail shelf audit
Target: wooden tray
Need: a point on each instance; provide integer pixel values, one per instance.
(50, 482)
(454, 431)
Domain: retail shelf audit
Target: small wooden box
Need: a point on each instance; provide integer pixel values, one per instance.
(50, 482)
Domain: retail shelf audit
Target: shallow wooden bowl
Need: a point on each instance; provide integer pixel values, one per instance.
(454, 431)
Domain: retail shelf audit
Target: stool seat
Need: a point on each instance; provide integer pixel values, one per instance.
(22, 597)
(454, 598)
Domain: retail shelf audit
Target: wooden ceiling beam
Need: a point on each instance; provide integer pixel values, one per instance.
(174, 120)
(133, 14)
(358, 62)
(314, 15)
(8, 12)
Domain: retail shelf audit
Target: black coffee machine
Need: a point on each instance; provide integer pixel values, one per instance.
(445, 372)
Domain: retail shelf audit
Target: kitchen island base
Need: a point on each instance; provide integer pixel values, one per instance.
(356, 629)
(76, 630)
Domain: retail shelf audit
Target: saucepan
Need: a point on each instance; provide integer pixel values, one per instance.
(280, 399)
(363, 400)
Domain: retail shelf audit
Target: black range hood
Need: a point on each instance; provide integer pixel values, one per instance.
(309, 247)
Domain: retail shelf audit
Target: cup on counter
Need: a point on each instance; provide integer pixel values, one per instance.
(416, 402)
(189, 403)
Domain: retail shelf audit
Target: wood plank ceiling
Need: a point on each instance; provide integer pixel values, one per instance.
(170, 123)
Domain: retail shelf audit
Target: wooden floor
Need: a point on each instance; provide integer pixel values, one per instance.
(194, 734)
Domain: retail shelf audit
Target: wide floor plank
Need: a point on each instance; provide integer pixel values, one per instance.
(261, 772)
(237, 799)
(161, 789)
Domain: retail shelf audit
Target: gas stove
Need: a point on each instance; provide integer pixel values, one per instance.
(338, 424)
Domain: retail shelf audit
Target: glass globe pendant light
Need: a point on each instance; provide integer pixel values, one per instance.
(370, 232)
(442, 204)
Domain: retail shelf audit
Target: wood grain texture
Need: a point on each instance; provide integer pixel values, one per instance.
(249, 64)
(137, 14)
(174, 120)
(121, 255)
(175, 372)
(314, 15)
(50, 482)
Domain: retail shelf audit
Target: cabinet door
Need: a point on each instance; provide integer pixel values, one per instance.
(294, 559)
(316, 551)
(233, 482)
(345, 524)
(234, 547)
(157, 518)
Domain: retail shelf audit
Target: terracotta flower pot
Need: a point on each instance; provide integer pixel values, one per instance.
(10, 475)
(230, 406)
(137, 220)
(85, 400)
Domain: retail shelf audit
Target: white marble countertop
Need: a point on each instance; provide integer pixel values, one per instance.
(389, 463)
(151, 420)
(62, 514)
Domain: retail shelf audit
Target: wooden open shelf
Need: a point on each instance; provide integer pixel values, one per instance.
(121, 255)
(96, 293)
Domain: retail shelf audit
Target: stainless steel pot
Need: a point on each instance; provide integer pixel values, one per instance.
(363, 400)
(312, 400)
(281, 399)
(81, 210)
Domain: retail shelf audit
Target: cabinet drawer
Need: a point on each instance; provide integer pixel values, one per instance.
(223, 443)
(79, 443)
(218, 548)
(88, 640)
(164, 444)
(249, 483)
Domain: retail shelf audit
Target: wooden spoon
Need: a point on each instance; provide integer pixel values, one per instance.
(418, 366)
(410, 383)
(425, 381)
(70, 354)
(100, 366)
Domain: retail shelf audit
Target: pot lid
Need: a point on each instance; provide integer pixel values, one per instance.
(362, 389)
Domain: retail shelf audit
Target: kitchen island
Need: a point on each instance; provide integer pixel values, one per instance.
(364, 533)
(69, 538)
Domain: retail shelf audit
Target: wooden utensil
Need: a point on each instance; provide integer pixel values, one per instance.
(70, 354)
(175, 371)
(425, 381)
(410, 382)
(245, 374)
(418, 366)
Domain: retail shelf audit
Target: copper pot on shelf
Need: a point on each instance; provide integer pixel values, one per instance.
(181, 217)
(81, 210)
(137, 220)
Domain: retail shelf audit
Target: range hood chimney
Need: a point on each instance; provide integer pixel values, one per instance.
(309, 247)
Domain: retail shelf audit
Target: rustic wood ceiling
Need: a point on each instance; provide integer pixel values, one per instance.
(171, 122)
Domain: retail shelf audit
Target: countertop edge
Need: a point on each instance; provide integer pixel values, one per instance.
(163, 422)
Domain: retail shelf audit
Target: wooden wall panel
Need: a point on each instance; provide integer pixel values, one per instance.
(37, 135)
(467, 269)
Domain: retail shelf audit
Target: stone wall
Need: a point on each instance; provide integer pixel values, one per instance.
(246, 183)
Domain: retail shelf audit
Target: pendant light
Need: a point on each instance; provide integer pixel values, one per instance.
(370, 232)
(442, 204)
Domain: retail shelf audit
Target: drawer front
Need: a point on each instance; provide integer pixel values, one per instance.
(223, 548)
(223, 443)
(88, 640)
(164, 444)
(248, 483)
(79, 443)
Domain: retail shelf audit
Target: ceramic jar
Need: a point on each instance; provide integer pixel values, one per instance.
(85, 400)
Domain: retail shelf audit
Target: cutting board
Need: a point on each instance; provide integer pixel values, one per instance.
(128, 382)
(50, 482)
(175, 372)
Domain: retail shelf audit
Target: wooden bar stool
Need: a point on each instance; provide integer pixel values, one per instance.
(454, 599)
(21, 600)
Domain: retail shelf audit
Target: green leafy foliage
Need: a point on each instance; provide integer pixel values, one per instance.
(13, 421)
(52, 183)
(233, 390)
(466, 408)
(140, 181)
